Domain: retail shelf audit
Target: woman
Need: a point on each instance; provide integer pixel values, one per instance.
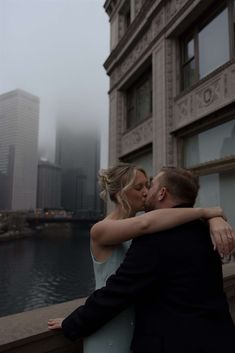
(127, 187)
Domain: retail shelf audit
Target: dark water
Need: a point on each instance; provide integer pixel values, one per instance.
(50, 267)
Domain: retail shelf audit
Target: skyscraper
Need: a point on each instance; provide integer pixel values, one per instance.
(49, 185)
(78, 154)
(19, 120)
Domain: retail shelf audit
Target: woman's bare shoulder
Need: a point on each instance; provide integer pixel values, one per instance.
(99, 227)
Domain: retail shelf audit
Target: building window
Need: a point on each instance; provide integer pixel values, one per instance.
(211, 154)
(207, 45)
(213, 144)
(143, 160)
(213, 43)
(139, 100)
(218, 189)
(188, 64)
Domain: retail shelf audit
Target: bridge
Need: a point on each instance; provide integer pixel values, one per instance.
(35, 220)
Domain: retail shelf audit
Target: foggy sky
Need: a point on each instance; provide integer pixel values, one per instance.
(55, 49)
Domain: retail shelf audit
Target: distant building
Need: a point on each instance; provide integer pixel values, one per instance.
(19, 120)
(78, 154)
(49, 185)
(172, 90)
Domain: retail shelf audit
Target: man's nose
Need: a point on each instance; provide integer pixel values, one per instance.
(145, 191)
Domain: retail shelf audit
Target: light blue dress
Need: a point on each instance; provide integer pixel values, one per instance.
(116, 335)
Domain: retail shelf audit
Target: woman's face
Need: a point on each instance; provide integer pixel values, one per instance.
(137, 194)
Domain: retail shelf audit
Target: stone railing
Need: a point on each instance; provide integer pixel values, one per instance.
(229, 285)
(27, 332)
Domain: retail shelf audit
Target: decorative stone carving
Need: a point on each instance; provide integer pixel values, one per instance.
(183, 108)
(211, 94)
(121, 26)
(232, 78)
(136, 52)
(170, 157)
(138, 137)
(113, 129)
(134, 55)
(214, 92)
(119, 121)
(138, 4)
(173, 7)
(158, 23)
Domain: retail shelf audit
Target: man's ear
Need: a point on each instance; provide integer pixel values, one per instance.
(162, 193)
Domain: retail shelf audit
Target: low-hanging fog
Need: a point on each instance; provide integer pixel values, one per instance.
(55, 49)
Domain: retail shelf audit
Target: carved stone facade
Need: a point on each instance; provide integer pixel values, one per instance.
(214, 93)
(153, 39)
(137, 137)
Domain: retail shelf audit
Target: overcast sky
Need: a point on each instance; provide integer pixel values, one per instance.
(55, 49)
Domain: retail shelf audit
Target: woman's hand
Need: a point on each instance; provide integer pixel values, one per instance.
(222, 236)
(54, 324)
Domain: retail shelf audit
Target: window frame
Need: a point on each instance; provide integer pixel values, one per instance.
(209, 167)
(133, 90)
(193, 32)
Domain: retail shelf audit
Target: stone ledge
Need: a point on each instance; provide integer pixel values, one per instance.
(27, 332)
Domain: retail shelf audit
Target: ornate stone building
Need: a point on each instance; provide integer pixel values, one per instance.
(172, 90)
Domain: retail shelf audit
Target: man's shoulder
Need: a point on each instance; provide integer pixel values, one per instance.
(193, 228)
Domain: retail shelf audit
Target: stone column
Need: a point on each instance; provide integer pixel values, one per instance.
(115, 127)
(159, 106)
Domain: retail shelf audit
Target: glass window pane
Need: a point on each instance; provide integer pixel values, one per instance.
(189, 50)
(214, 44)
(144, 161)
(139, 100)
(218, 190)
(130, 109)
(215, 143)
(189, 74)
(143, 101)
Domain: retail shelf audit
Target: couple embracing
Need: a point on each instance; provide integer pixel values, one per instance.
(167, 295)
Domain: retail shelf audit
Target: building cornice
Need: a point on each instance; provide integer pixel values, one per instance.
(173, 11)
(142, 20)
(110, 6)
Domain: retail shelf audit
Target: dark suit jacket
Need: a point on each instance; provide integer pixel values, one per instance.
(174, 278)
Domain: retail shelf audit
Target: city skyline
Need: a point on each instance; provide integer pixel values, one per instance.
(56, 51)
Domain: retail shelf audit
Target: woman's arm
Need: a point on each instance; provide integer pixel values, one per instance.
(113, 232)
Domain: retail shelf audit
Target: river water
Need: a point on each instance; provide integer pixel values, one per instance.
(52, 266)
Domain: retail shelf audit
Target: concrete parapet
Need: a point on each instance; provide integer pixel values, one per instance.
(27, 332)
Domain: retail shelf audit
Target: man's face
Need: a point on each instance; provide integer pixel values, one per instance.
(152, 200)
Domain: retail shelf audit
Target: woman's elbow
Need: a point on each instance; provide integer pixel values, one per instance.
(144, 226)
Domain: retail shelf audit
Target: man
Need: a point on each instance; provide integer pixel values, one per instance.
(173, 278)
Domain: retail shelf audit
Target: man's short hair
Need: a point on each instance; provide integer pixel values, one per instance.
(181, 183)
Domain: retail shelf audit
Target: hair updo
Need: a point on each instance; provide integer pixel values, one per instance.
(114, 181)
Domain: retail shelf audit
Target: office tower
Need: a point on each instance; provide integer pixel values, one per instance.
(48, 185)
(19, 120)
(78, 153)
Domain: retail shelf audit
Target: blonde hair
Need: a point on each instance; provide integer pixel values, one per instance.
(114, 181)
